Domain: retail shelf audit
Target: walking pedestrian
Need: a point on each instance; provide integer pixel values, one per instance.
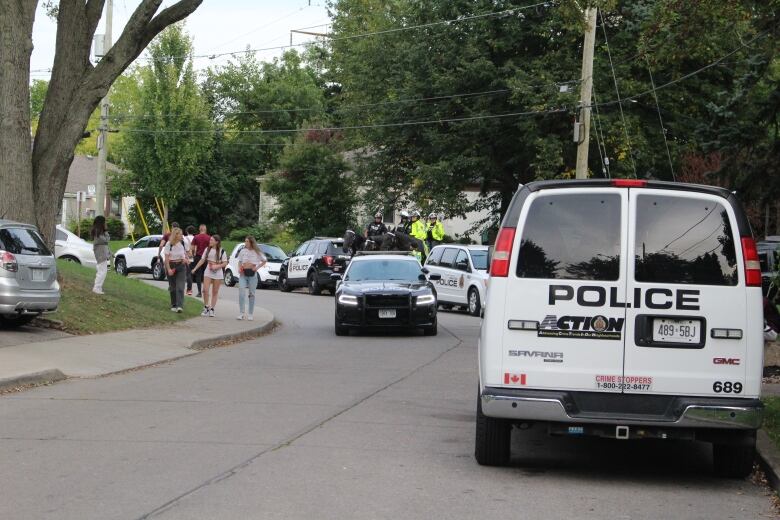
(214, 259)
(188, 237)
(199, 244)
(176, 268)
(100, 239)
(250, 259)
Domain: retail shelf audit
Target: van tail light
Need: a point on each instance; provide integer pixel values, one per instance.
(752, 264)
(502, 254)
(629, 183)
(8, 262)
(328, 260)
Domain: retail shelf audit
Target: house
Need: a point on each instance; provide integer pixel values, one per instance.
(82, 178)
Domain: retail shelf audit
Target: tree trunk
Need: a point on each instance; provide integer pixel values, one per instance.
(16, 22)
(33, 184)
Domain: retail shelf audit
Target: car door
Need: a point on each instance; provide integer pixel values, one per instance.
(448, 280)
(462, 277)
(686, 283)
(562, 324)
(298, 265)
(134, 257)
(149, 253)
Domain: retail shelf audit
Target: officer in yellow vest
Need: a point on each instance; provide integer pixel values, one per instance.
(434, 232)
(419, 231)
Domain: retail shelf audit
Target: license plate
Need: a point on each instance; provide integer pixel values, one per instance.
(38, 275)
(387, 313)
(676, 331)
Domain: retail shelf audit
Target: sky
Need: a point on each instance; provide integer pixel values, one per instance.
(217, 26)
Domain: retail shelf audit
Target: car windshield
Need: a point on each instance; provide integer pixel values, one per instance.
(479, 258)
(22, 241)
(395, 270)
(273, 253)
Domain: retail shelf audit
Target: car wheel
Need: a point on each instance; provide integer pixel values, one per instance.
(475, 305)
(230, 280)
(341, 330)
(284, 283)
(120, 266)
(733, 461)
(16, 320)
(314, 284)
(70, 259)
(492, 440)
(158, 271)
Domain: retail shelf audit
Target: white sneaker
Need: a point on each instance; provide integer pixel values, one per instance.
(174, 309)
(250, 318)
(98, 291)
(211, 313)
(179, 310)
(240, 317)
(205, 311)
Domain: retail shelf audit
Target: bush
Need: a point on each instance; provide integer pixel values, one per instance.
(262, 233)
(86, 227)
(115, 228)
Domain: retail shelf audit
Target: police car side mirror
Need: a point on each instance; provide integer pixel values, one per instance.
(434, 277)
(425, 270)
(335, 277)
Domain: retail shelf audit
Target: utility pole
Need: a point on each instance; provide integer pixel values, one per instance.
(100, 188)
(586, 89)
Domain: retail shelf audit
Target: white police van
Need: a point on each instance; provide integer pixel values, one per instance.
(627, 309)
(463, 270)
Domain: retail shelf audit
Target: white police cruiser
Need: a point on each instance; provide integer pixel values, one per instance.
(464, 276)
(627, 309)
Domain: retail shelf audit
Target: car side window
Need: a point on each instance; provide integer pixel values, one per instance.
(302, 249)
(144, 242)
(435, 256)
(448, 257)
(154, 242)
(311, 248)
(60, 235)
(322, 248)
(462, 261)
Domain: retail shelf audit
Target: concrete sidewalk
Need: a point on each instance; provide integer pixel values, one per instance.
(101, 354)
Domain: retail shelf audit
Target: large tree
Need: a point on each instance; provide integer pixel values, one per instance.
(33, 183)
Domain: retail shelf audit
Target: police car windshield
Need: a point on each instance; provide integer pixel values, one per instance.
(395, 270)
(480, 259)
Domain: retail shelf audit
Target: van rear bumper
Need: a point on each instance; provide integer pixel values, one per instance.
(621, 409)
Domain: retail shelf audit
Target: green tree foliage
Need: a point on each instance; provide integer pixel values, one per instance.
(168, 138)
(315, 196)
(38, 90)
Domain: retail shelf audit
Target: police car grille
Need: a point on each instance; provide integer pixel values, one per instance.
(385, 301)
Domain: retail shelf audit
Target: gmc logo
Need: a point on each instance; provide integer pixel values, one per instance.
(725, 361)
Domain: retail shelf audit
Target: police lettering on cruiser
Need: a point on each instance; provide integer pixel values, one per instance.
(447, 282)
(585, 327)
(299, 267)
(547, 357)
(653, 298)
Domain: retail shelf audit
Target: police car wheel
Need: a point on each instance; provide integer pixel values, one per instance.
(475, 306)
(284, 283)
(733, 461)
(314, 284)
(492, 439)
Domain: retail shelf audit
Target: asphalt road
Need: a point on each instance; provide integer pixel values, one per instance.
(302, 424)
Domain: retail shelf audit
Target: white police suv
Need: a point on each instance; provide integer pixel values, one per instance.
(463, 270)
(627, 309)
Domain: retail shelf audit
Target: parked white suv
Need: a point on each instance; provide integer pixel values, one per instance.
(141, 257)
(266, 275)
(625, 309)
(69, 246)
(464, 276)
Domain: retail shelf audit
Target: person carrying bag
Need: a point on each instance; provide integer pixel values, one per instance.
(250, 259)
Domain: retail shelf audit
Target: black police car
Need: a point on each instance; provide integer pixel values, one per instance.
(385, 290)
(311, 265)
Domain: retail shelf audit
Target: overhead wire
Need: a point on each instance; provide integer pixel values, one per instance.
(661, 120)
(600, 141)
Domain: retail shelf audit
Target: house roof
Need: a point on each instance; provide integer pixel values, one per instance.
(83, 172)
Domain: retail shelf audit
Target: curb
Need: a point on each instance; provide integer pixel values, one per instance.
(34, 379)
(768, 459)
(234, 337)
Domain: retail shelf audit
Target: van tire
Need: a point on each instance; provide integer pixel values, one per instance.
(733, 461)
(475, 305)
(492, 442)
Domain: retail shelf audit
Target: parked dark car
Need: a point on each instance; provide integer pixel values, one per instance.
(385, 290)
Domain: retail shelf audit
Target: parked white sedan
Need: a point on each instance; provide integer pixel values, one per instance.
(267, 275)
(68, 246)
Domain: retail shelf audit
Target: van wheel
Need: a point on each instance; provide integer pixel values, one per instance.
(284, 283)
(733, 461)
(491, 446)
(475, 306)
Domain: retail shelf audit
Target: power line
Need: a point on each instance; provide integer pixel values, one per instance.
(661, 120)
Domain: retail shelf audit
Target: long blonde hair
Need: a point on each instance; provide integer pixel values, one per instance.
(176, 236)
(253, 244)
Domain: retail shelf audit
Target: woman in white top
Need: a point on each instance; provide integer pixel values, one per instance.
(176, 267)
(216, 260)
(188, 244)
(250, 259)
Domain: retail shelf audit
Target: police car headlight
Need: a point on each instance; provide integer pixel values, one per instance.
(348, 299)
(426, 299)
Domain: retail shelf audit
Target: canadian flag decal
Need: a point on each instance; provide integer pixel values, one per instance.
(514, 379)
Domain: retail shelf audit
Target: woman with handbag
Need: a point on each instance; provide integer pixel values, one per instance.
(250, 259)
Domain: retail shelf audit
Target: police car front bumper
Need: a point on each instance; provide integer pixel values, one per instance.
(621, 409)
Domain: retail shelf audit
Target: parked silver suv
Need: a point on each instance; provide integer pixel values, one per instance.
(28, 274)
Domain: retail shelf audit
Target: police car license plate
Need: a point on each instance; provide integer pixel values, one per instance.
(676, 331)
(387, 313)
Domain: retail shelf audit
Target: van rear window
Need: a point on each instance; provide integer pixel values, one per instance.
(684, 240)
(571, 236)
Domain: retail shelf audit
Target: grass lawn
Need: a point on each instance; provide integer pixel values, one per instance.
(126, 304)
(772, 418)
